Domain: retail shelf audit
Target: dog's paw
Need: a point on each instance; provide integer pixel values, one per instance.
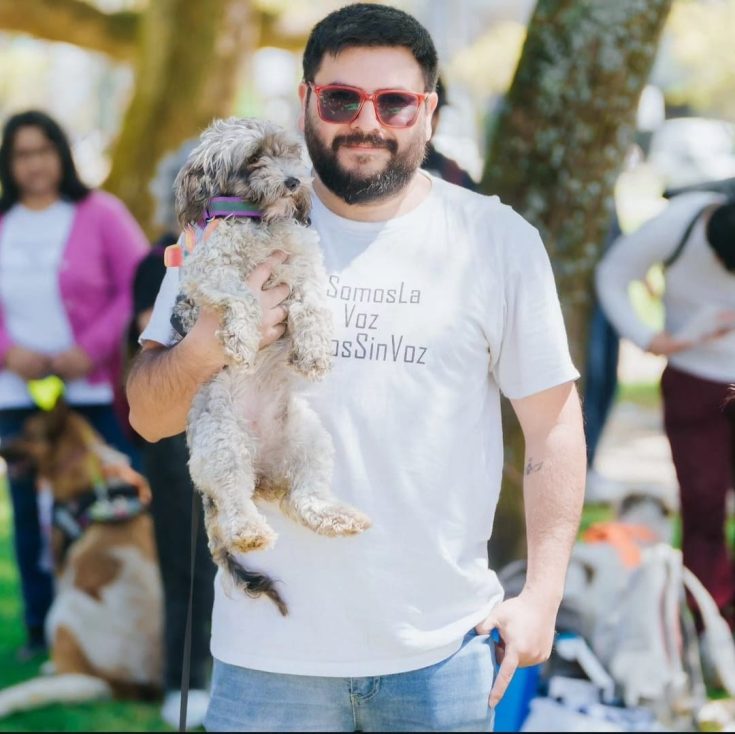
(309, 366)
(330, 518)
(237, 350)
(252, 536)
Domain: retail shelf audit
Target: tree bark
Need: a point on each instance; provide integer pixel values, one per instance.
(556, 152)
(187, 73)
(75, 22)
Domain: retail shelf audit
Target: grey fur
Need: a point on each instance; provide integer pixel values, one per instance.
(249, 435)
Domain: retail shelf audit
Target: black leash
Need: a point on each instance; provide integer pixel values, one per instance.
(186, 663)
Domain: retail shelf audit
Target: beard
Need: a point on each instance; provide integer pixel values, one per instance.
(353, 187)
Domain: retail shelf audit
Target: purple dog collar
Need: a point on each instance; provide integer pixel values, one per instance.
(229, 206)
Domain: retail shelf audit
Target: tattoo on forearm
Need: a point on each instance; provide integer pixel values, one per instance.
(532, 468)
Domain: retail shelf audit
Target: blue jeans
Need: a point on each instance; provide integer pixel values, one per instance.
(36, 582)
(449, 696)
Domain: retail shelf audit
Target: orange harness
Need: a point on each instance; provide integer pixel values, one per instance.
(626, 539)
(175, 255)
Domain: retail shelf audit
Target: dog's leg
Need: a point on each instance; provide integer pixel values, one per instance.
(310, 329)
(240, 315)
(221, 466)
(310, 323)
(222, 289)
(307, 467)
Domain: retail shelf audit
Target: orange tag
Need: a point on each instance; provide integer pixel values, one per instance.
(173, 257)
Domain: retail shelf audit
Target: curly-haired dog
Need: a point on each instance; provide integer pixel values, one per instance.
(248, 434)
(105, 624)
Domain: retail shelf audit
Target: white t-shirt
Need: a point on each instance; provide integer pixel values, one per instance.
(695, 281)
(31, 252)
(434, 311)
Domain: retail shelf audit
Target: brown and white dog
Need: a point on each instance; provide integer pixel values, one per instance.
(105, 625)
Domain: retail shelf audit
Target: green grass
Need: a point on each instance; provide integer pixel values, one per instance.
(101, 716)
(645, 394)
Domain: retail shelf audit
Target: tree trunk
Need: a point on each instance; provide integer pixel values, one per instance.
(187, 73)
(556, 152)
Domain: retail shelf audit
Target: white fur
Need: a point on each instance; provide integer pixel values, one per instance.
(118, 634)
(67, 688)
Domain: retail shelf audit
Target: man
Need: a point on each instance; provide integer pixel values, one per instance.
(694, 237)
(441, 297)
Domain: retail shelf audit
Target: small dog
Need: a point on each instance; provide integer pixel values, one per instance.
(249, 436)
(105, 624)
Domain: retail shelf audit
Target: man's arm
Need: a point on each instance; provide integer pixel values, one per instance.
(163, 382)
(553, 489)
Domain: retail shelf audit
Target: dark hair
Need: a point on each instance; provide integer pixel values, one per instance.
(71, 186)
(367, 24)
(721, 233)
(441, 93)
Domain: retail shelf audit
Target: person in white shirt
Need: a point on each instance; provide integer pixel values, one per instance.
(442, 298)
(694, 237)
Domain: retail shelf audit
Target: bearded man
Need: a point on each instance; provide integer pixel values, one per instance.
(389, 630)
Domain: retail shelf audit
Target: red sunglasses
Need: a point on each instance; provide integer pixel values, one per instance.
(338, 103)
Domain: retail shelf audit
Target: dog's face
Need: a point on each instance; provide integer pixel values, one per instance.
(64, 450)
(254, 160)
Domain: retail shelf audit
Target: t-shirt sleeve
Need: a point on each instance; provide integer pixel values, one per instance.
(159, 328)
(534, 351)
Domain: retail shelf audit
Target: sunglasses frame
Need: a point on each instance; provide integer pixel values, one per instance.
(367, 97)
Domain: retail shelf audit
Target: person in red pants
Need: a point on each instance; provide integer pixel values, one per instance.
(694, 238)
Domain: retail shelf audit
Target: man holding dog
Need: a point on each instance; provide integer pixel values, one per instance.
(442, 299)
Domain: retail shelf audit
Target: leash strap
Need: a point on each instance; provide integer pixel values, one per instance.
(674, 256)
(186, 663)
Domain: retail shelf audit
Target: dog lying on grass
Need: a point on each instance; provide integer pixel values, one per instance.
(104, 627)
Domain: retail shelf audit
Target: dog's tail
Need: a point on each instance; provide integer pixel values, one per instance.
(45, 690)
(254, 584)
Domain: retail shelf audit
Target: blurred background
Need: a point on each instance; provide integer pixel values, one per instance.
(649, 108)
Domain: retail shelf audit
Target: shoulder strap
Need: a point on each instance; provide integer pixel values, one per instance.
(674, 256)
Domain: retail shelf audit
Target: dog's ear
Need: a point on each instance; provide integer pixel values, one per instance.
(302, 202)
(192, 189)
(16, 451)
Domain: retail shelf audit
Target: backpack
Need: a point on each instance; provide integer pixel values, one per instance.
(637, 624)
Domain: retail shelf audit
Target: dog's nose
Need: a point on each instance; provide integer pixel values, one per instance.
(292, 183)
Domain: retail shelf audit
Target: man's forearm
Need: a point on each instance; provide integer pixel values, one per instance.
(161, 386)
(553, 488)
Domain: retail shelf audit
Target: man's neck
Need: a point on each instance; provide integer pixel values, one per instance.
(37, 202)
(400, 203)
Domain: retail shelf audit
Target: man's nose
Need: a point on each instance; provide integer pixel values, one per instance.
(367, 119)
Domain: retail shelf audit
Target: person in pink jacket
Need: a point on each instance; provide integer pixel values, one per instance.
(67, 259)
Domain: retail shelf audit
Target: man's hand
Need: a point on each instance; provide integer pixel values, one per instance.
(73, 364)
(526, 627)
(665, 344)
(27, 364)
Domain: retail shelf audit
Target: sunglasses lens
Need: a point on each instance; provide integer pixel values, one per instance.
(397, 109)
(339, 105)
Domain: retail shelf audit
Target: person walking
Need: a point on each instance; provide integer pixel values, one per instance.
(67, 258)
(390, 630)
(694, 239)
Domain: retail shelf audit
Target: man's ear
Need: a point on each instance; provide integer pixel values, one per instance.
(303, 99)
(431, 102)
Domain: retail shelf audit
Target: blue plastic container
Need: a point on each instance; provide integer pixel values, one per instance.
(513, 708)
